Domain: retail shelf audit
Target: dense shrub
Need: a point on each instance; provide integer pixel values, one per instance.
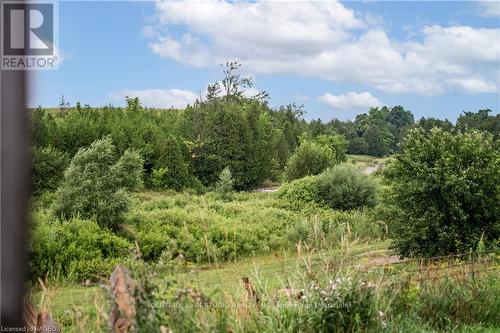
(342, 187)
(96, 183)
(75, 249)
(444, 193)
(48, 164)
(310, 158)
(300, 192)
(346, 187)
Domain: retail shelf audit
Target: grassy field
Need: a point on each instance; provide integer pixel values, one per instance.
(78, 307)
(82, 308)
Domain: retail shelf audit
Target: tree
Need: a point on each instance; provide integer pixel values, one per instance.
(444, 193)
(170, 171)
(358, 146)
(234, 84)
(375, 141)
(337, 143)
(96, 184)
(310, 158)
(481, 120)
(429, 123)
(225, 184)
(399, 117)
(48, 168)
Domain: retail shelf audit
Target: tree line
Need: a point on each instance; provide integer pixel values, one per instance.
(189, 148)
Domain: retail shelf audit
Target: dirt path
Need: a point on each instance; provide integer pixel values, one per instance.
(267, 189)
(371, 169)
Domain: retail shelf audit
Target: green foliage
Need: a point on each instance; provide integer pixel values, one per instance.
(235, 134)
(444, 193)
(225, 184)
(374, 138)
(48, 168)
(481, 120)
(171, 170)
(342, 187)
(300, 192)
(208, 228)
(358, 146)
(96, 183)
(128, 170)
(429, 123)
(75, 249)
(310, 158)
(337, 143)
(345, 187)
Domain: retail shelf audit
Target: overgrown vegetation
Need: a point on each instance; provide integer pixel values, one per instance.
(439, 195)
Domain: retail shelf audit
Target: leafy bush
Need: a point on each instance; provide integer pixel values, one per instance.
(346, 187)
(95, 184)
(300, 192)
(342, 187)
(444, 193)
(76, 249)
(49, 164)
(310, 158)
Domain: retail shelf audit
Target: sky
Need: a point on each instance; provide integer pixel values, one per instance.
(338, 59)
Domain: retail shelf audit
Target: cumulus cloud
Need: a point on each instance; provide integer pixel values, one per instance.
(157, 98)
(473, 85)
(325, 39)
(489, 8)
(167, 98)
(350, 101)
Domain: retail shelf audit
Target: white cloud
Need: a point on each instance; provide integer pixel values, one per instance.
(188, 50)
(157, 98)
(167, 98)
(489, 8)
(329, 41)
(473, 85)
(250, 92)
(351, 101)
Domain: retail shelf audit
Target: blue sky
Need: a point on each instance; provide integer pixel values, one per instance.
(336, 58)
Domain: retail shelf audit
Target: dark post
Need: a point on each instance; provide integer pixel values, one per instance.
(14, 177)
